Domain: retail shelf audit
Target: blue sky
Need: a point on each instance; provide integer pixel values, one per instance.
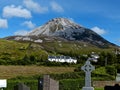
(18, 17)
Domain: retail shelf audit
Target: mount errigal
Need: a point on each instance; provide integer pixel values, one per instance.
(65, 29)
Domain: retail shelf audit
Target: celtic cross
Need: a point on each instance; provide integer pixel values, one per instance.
(88, 68)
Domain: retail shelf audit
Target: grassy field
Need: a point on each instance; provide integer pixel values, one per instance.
(8, 72)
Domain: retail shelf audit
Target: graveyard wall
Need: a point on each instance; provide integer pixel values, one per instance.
(104, 83)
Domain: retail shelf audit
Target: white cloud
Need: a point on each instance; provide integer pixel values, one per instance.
(21, 32)
(35, 7)
(118, 40)
(56, 7)
(29, 24)
(3, 23)
(98, 30)
(71, 19)
(14, 11)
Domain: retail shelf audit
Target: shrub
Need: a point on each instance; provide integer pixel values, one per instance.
(110, 70)
(71, 84)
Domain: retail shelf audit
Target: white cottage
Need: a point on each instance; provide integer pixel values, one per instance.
(62, 59)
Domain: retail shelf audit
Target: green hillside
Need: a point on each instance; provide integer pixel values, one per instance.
(11, 51)
(17, 53)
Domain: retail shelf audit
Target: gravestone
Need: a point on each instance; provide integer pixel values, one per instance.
(87, 68)
(118, 77)
(21, 86)
(3, 83)
(116, 87)
(47, 83)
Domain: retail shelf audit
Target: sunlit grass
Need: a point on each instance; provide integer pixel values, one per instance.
(14, 71)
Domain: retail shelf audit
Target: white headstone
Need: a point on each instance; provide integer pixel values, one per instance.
(118, 77)
(3, 83)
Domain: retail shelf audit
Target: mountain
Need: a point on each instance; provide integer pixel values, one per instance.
(58, 36)
(63, 29)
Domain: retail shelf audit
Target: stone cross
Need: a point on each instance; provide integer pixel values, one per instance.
(88, 68)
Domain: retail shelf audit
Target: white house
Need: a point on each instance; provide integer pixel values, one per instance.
(62, 59)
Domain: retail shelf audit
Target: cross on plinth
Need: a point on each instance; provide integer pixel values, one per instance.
(88, 68)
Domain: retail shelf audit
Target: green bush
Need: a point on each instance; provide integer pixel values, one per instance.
(110, 70)
(71, 84)
(71, 75)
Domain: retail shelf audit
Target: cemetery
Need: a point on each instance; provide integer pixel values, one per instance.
(57, 82)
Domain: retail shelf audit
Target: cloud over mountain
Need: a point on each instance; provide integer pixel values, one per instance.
(98, 30)
(34, 6)
(29, 24)
(56, 7)
(16, 11)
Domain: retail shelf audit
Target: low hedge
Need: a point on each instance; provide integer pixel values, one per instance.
(71, 84)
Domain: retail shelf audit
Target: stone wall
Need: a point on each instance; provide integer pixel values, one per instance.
(104, 83)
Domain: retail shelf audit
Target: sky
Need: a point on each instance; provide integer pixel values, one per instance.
(18, 17)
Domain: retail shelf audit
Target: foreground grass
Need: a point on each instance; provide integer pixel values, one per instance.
(7, 72)
(99, 88)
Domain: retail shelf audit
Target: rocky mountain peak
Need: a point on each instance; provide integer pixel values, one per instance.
(54, 26)
(63, 22)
